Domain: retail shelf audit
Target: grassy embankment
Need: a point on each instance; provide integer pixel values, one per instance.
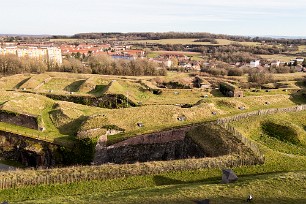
(280, 180)
(162, 113)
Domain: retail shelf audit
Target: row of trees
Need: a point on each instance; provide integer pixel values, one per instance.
(197, 35)
(260, 49)
(102, 64)
(11, 64)
(222, 69)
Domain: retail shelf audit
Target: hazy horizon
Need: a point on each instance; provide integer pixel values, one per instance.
(236, 17)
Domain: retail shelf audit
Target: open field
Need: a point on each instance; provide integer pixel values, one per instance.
(302, 48)
(282, 58)
(191, 42)
(289, 76)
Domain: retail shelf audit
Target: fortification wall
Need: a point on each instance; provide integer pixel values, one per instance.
(29, 151)
(23, 120)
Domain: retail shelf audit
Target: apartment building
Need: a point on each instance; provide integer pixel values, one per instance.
(49, 54)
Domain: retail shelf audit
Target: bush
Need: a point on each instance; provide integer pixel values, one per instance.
(260, 78)
(235, 72)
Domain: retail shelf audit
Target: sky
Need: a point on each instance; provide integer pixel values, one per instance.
(235, 17)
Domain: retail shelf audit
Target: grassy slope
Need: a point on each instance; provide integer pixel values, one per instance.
(154, 117)
(274, 181)
(14, 81)
(35, 81)
(262, 188)
(280, 180)
(297, 121)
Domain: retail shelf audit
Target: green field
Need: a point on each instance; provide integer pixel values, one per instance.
(282, 58)
(191, 42)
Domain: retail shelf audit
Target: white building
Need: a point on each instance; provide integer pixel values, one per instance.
(49, 54)
(275, 63)
(254, 63)
(299, 60)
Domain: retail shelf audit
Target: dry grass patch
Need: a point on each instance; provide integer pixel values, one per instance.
(27, 103)
(62, 85)
(14, 81)
(35, 81)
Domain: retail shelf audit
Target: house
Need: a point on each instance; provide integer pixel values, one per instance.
(134, 53)
(299, 60)
(162, 62)
(254, 63)
(275, 63)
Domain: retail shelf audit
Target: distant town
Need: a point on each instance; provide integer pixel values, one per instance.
(215, 54)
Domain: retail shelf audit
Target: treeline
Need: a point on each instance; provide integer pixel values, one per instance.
(103, 64)
(153, 36)
(11, 64)
(197, 35)
(210, 40)
(223, 69)
(258, 50)
(233, 57)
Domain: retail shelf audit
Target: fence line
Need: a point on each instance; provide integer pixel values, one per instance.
(117, 171)
(260, 112)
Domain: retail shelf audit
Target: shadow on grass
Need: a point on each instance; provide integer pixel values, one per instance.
(74, 87)
(98, 90)
(72, 127)
(21, 83)
(66, 141)
(216, 93)
(299, 97)
(163, 180)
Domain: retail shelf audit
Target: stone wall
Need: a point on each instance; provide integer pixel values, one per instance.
(165, 145)
(160, 146)
(29, 151)
(23, 120)
(105, 101)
